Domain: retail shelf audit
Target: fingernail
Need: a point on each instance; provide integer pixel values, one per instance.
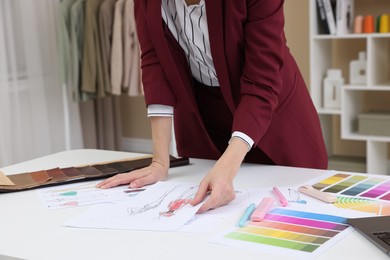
(133, 185)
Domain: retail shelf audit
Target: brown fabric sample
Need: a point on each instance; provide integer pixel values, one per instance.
(121, 167)
(106, 169)
(89, 171)
(23, 179)
(56, 173)
(56, 176)
(40, 176)
(4, 180)
(71, 172)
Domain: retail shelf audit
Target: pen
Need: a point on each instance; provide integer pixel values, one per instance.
(134, 190)
(309, 190)
(261, 210)
(280, 197)
(248, 212)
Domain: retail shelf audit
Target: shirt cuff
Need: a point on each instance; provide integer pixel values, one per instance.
(249, 141)
(160, 110)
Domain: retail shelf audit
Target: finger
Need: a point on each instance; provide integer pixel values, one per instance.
(130, 176)
(211, 203)
(218, 197)
(118, 179)
(100, 184)
(140, 182)
(108, 182)
(200, 194)
(139, 173)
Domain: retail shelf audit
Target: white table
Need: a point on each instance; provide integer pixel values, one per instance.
(29, 231)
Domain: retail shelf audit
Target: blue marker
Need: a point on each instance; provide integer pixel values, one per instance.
(248, 212)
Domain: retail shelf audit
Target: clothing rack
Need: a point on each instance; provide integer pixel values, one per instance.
(99, 48)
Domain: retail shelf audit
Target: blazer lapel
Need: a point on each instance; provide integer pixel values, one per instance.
(214, 9)
(216, 35)
(177, 74)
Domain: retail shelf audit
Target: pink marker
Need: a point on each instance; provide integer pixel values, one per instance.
(281, 198)
(261, 210)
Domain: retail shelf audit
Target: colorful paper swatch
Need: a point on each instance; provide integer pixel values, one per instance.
(296, 230)
(330, 181)
(377, 191)
(345, 184)
(359, 192)
(386, 197)
(379, 208)
(356, 185)
(362, 187)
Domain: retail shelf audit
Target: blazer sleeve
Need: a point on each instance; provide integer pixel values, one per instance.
(156, 87)
(261, 80)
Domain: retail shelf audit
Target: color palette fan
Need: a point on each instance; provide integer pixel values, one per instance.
(376, 207)
(356, 185)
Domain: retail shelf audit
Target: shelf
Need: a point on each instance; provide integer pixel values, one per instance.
(379, 35)
(340, 126)
(385, 87)
(351, 36)
(360, 137)
(328, 111)
(339, 37)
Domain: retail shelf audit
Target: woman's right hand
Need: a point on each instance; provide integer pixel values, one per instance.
(158, 169)
(138, 178)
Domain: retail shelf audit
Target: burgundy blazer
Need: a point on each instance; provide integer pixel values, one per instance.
(258, 77)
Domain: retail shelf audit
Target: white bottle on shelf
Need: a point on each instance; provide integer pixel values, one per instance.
(358, 70)
(333, 83)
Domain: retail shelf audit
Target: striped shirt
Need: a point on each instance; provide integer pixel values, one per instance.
(188, 24)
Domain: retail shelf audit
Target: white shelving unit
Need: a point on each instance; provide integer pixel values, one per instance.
(367, 153)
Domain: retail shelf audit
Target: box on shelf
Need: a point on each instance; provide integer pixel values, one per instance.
(344, 16)
(333, 83)
(374, 123)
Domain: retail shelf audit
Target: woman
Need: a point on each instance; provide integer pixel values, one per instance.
(223, 69)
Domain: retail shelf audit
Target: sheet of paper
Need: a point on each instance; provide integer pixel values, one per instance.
(201, 223)
(164, 206)
(83, 194)
(207, 221)
(243, 197)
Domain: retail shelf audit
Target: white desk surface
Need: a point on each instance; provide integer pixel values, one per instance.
(29, 231)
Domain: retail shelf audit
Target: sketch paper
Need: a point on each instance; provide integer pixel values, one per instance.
(201, 223)
(164, 206)
(83, 194)
(209, 220)
(243, 197)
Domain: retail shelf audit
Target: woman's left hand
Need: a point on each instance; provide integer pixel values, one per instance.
(219, 183)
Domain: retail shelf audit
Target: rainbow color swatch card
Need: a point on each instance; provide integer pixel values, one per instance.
(292, 233)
